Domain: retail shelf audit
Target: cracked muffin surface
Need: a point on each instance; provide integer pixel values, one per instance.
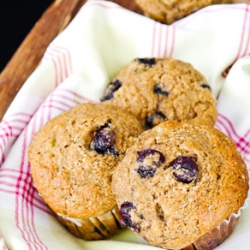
(178, 182)
(74, 155)
(161, 89)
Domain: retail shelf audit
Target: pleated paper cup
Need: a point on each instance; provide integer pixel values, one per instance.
(93, 228)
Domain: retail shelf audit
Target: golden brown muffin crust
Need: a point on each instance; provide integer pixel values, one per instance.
(72, 177)
(167, 211)
(160, 89)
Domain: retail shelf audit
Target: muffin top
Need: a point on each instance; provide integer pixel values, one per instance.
(161, 89)
(74, 155)
(169, 11)
(178, 182)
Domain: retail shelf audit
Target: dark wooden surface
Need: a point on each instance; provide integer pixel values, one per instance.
(31, 50)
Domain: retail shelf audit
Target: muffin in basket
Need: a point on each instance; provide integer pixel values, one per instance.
(168, 11)
(180, 186)
(72, 161)
(161, 89)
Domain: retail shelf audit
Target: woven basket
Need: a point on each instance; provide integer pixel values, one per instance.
(28, 55)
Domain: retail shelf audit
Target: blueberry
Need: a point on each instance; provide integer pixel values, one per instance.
(113, 86)
(185, 169)
(154, 119)
(146, 170)
(144, 153)
(126, 217)
(158, 90)
(205, 86)
(104, 140)
(147, 61)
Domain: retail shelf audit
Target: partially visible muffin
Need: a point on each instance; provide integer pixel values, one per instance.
(169, 11)
(161, 89)
(178, 182)
(72, 160)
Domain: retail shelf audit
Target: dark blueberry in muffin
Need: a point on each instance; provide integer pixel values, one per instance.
(104, 140)
(145, 172)
(146, 152)
(185, 169)
(154, 119)
(113, 86)
(205, 86)
(125, 216)
(147, 61)
(158, 90)
(147, 167)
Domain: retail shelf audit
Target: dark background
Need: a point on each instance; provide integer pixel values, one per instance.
(17, 17)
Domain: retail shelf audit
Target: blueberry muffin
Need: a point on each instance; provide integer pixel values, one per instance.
(72, 160)
(169, 11)
(178, 182)
(161, 89)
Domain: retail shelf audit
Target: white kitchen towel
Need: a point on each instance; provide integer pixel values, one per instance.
(77, 67)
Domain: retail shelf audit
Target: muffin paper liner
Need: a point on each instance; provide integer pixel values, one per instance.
(93, 228)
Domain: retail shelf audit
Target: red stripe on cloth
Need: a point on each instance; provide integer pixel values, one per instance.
(242, 34)
(5, 183)
(230, 124)
(60, 62)
(25, 235)
(244, 150)
(153, 39)
(169, 41)
(67, 106)
(83, 98)
(50, 101)
(173, 42)
(2, 159)
(242, 142)
(51, 106)
(160, 39)
(11, 170)
(18, 130)
(17, 114)
(66, 58)
(63, 98)
(14, 121)
(165, 53)
(56, 70)
(225, 129)
(63, 59)
(66, 97)
(18, 186)
(190, 18)
(44, 210)
(2, 243)
(7, 128)
(30, 207)
(30, 191)
(7, 191)
(39, 201)
(5, 137)
(40, 118)
(240, 48)
(22, 207)
(8, 176)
